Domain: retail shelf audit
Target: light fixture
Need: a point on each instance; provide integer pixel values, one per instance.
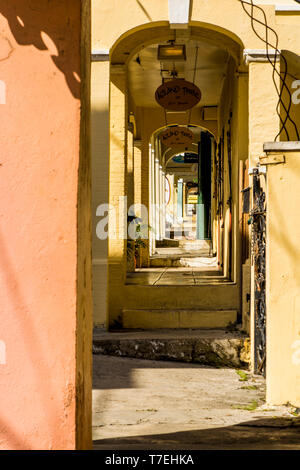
(174, 52)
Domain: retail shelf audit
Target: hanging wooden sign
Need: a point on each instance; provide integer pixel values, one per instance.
(178, 95)
(191, 184)
(176, 136)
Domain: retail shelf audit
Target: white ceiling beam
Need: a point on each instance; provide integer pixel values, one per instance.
(100, 55)
(179, 13)
(287, 8)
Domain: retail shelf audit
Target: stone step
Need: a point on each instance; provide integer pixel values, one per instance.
(176, 261)
(190, 318)
(195, 244)
(215, 296)
(167, 243)
(217, 348)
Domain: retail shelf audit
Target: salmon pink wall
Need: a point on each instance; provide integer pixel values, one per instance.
(39, 158)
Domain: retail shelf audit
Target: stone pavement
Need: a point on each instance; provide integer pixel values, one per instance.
(176, 276)
(152, 405)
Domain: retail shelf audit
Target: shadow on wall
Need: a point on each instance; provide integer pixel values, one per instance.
(27, 24)
(100, 186)
(32, 347)
(33, 377)
(144, 10)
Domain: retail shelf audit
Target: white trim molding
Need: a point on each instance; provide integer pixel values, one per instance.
(293, 146)
(287, 8)
(100, 56)
(259, 55)
(179, 13)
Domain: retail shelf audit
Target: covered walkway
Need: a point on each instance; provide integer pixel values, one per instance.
(176, 276)
(134, 402)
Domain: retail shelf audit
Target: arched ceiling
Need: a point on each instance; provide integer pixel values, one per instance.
(168, 153)
(144, 72)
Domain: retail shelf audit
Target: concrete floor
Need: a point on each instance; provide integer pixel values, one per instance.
(176, 276)
(175, 252)
(139, 404)
(189, 264)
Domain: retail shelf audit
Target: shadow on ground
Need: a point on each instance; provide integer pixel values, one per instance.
(121, 376)
(162, 405)
(260, 434)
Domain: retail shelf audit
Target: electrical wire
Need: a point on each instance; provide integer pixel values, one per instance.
(273, 63)
(282, 80)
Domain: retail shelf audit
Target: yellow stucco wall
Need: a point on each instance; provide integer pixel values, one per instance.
(100, 150)
(293, 102)
(113, 18)
(126, 26)
(263, 99)
(283, 281)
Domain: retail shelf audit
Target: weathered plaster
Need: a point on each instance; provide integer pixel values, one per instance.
(44, 236)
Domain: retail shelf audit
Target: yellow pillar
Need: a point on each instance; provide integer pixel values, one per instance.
(100, 158)
(263, 127)
(283, 274)
(137, 158)
(263, 99)
(117, 253)
(130, 167)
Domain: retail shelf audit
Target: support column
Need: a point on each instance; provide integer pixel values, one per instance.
(117, 252)
(130, 166)
(283, 273)
(240, 272)
(143, 193)
(169, 208)
(200, 234)
(45, 240)
(263, 99)
(263, 127)
(100, 177)
(184, 199)
(185, 224)
(179, 197)
(152, 200)
(204, 185)
(162, 202)
(174, 190)
(157, 199)
(137, 158)
(214, 206)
